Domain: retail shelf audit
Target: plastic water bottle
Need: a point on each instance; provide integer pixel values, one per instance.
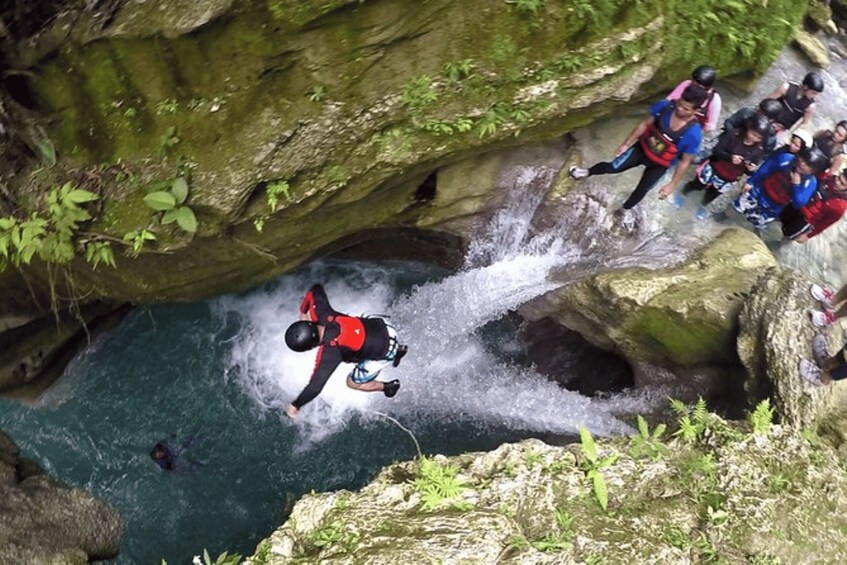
(619, 160)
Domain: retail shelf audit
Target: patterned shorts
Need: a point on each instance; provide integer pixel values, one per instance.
(747, 205)
(367, 370)
(707, 175)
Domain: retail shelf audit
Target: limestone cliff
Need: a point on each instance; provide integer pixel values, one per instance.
(351, 104)
(723, 495)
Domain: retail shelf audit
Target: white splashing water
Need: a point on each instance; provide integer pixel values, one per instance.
(449, 372)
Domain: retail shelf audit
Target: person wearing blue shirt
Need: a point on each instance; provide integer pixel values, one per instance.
(784, 178)
(669, 136)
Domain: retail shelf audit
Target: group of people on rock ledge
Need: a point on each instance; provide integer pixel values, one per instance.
(800, 182)
(789, 174)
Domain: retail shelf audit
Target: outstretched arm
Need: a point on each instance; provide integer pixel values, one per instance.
(327, 361)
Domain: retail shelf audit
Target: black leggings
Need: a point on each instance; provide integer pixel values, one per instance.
(651, 175)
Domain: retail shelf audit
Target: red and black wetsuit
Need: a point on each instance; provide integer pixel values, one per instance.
(346, 339)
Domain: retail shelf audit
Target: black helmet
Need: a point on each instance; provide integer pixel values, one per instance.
(760, 124)
(705, 76)
(770, 108)
(815, 158)
(302, 336)
(813, 81)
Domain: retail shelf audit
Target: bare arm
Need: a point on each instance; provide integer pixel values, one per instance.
(807, 118)
(636, 132)
(684, 162)
(779, 92)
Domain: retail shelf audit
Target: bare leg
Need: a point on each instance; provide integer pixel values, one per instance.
(370, 386)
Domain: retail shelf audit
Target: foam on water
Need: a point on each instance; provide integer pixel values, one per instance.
(450, 371)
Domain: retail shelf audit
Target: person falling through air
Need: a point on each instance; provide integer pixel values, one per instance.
(370, 342)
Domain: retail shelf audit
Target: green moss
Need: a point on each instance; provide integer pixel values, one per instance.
(684, 342)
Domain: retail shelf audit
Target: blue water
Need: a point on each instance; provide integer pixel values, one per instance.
(171, 372)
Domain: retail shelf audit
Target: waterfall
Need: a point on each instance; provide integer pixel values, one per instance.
(450, 372)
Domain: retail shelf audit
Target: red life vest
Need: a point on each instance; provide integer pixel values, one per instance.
(659, 142)
(778, 187)
(725, 169)
(703, 110)
(351, 332)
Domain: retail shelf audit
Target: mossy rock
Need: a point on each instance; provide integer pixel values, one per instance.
(679, 316)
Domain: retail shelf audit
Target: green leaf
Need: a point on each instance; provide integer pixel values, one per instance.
(600, 491)
(186, 219)
(160, 200)
(660, 429)
(588, 446)
(80, 196)
(180, 189)
(7, 223)
(148, 235)
(643, 429)
(170, 216)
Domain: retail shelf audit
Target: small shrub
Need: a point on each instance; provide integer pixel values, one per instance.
(136, 239)
(172, 203)
(274, 190)
(761, 419)
(457, 72)
(592, 465)
(317, 93)
(645, 444)
(438, 484)
(167, 141)
(334, 534)
(418, 92)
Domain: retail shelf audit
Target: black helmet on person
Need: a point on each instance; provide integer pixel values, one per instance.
(815, 158)
(770, 108)
(760, 124)
(705, 76)
(813, 81)
(302, 336)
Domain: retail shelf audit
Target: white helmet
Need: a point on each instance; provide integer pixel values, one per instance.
(805, 136)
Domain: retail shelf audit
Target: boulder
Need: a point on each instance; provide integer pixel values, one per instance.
(44, 521)
(676, 317)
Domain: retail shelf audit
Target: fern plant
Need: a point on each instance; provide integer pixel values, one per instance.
(645, 444)
(334, 534)
(439, 484)
(692, 422)
(592, 464)
(761, 419)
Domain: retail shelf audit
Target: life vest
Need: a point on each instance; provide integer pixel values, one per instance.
(778, 187)
(703, 111)
(726, 169)
(659, 142)
(365, 337)
(794, 105)
(351, 332)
